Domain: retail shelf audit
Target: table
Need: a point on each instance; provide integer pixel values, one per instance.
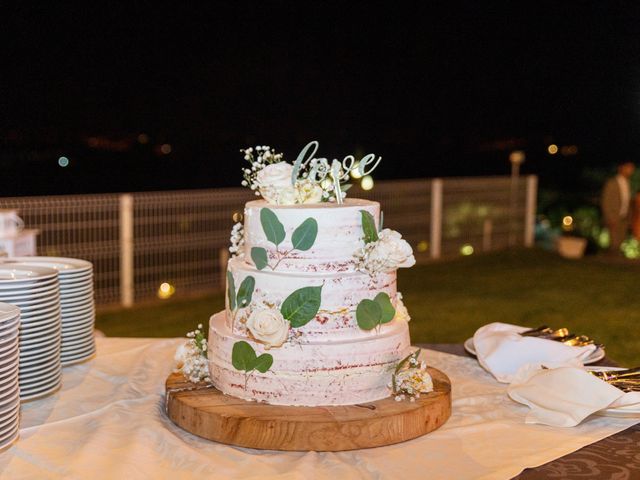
(617, 456)
(108, 422)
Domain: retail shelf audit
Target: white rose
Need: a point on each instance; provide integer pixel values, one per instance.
(308, 192)
(391, 252)
(286, 196)
(275, 175)
(274, 183)
(268, 326)
(402, 314)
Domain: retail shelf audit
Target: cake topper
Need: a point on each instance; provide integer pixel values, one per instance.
(308, 180)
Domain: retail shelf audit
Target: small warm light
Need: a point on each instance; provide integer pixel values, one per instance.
(355, 171)
(143, 139)
(552, 149)
(63, 162)
(165, 148)
(466, 250)
(422, 246)
(166, 290)
(367, 182)
(237, 217)
(567, 221)
(93, 142)
(517, 157)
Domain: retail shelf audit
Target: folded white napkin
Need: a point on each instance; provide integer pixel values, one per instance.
(502, 350)
(564, 396)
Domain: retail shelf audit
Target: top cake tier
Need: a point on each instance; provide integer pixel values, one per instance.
(339, 234)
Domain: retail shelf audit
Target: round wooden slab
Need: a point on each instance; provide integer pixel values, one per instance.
(208, 413)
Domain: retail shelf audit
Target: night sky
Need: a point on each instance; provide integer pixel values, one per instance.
(446, 89)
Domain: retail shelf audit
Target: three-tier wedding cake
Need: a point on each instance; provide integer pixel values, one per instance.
(313, 315)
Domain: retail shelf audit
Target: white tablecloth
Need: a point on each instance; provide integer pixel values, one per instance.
(108, 422)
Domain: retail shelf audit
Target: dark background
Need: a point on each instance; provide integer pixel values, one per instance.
(436, 88)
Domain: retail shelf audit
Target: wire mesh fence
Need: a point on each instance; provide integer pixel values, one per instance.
(139, 241)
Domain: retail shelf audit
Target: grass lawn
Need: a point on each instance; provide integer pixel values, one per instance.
(448, 301)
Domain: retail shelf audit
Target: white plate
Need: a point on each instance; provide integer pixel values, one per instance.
(10, 436)
(40, 356)
(62, 264)
(8, 385)
(81, 330)
(7, 330)
(9, 347)
(77, 281)
(79, 311)
(9, 415)
(76, 350)
(67, 297)
(40, 388)
(17, 290)
(77, 356)
(37, 372)
(31, 308)
(14, 274)
(76, 303)
(33, 324)
(10, 405)
(9, 365)
(22, 295)
(67, 288)
(77, 329)
(8, 311)
(29, 345)
(596, 356)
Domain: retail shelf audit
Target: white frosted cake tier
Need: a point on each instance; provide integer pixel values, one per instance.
(338, 373)
(339, 234)
(341, 293)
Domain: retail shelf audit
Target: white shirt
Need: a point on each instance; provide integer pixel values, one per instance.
(625, 194)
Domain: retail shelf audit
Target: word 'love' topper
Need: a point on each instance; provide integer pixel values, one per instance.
(318, 169)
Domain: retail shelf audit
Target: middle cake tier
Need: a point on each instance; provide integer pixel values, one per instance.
(339, 298)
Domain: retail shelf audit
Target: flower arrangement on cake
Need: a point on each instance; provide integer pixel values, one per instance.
(312, 314)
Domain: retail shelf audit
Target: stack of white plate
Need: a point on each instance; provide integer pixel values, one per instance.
(9, 388)
(77, 302)
(37, 292)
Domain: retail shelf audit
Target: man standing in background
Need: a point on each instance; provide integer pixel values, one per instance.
(616, 204)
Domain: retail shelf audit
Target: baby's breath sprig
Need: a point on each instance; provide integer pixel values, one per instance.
(410, 378)
(237, 240)
(191, 357)
(258, 157)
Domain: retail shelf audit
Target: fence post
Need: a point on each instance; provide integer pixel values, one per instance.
(126, 250)
(530, 211)
(436, 218)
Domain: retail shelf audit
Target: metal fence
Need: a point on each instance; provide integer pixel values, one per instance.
(138, 241)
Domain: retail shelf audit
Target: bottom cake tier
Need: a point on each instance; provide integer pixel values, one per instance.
(310, 374)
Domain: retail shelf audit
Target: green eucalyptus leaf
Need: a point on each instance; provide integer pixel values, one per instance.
(346, 186)
(305, 235)
(302, 305)
(231, 290)
(246, 291)
(243, 356)
(369, 227)
(368, 314)
(388, 312)
(259, 257)
(273, 229)
(263, 362)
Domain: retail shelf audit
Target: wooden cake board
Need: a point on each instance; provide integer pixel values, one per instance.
(208, 413)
